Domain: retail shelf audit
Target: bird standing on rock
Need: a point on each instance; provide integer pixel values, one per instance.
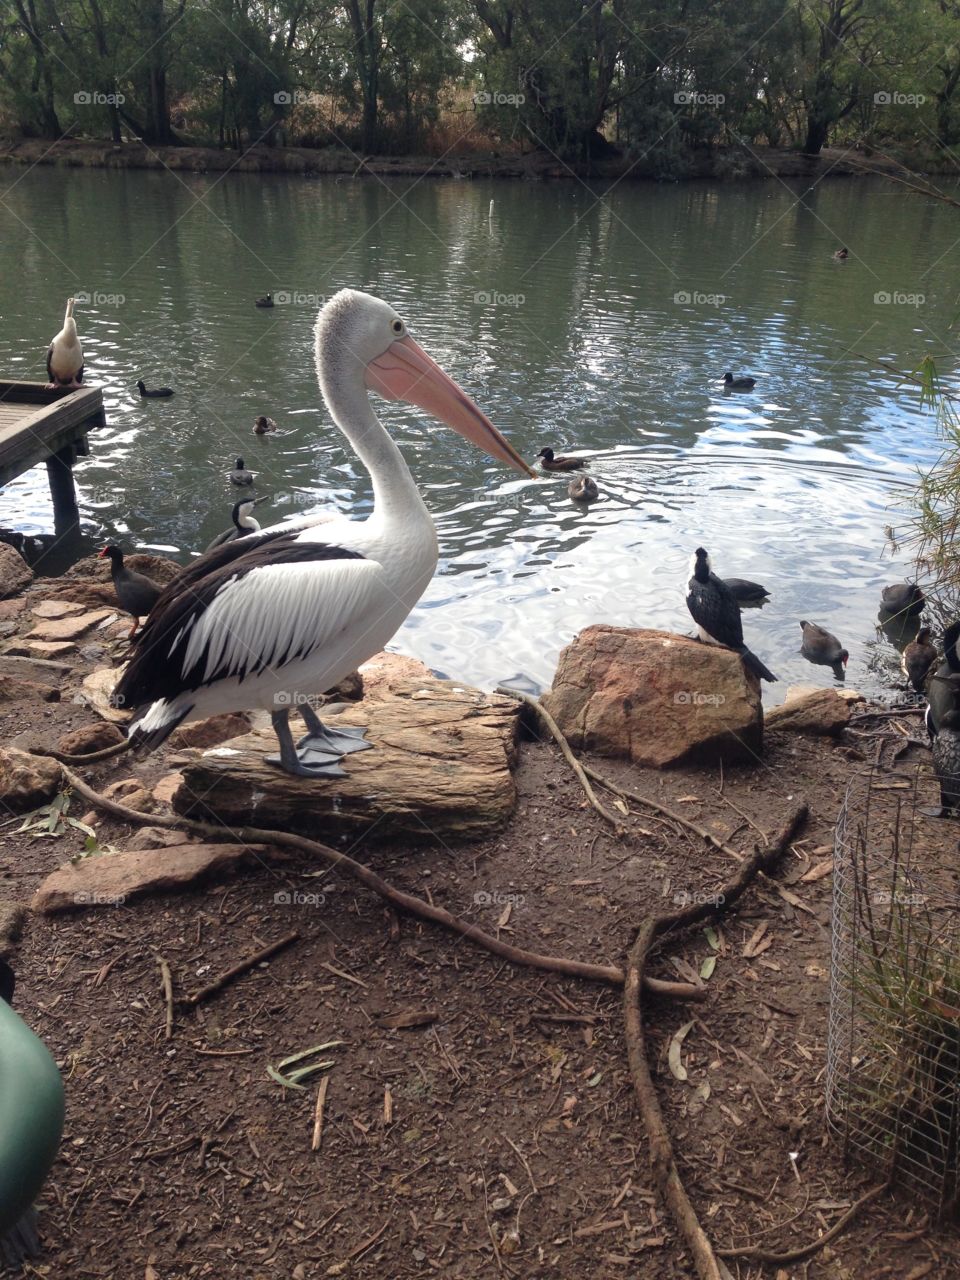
(550, 462)
(136, 592)
(917, 659)
(65, 355)
(823, 649)
(714, 609)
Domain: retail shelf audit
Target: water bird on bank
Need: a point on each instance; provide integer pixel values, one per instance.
(265, 301)
(714, 609)
(583, 489)
(917, 659)
(263, 425)
(270, 619)
(842, 254)
(747, 593)
(945, 749)
(904, 598)
(823, 649)
(244, 522)
(240, 475)
(550, 462)
(136, 592)
(158, 393)
(738, 384)
(943, 688)
(65, 355)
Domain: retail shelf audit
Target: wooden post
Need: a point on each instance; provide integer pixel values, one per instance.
(66, 514)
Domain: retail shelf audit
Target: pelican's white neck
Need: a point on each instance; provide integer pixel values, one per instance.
(395, 494)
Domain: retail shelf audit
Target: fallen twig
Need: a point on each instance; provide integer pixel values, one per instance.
(318, 1114)
(663, 1164)
(610, 974)
(243, 966)
(566, 751)
(167, 979)
(107, 753)
(757, 1254)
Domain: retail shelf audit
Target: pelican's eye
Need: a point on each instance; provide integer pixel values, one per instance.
(397, 326)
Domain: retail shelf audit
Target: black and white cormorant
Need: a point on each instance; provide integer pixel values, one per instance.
(714, 609)
(244, 522)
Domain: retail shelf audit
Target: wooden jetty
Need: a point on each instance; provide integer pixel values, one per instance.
(39, 425)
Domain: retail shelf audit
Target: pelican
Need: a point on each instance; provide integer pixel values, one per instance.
(65, 355)
(270, 620)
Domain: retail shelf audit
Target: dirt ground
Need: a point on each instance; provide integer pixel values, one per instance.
(499, 1137)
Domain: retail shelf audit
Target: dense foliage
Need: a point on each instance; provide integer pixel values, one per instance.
(654, 79)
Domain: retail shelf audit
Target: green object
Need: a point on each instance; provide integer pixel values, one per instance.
(31, 1116)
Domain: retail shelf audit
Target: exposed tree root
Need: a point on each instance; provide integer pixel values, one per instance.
(609, 974)
(662, 1160)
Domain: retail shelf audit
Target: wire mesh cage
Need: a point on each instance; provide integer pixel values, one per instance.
(893, 1053)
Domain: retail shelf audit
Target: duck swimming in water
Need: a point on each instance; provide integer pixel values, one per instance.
(136, 592)
(267, 620)
(714, 609)
(65, 355)
(903, 598)
(738, 384)
(583, 489)
(265, 301)
(263, 425)
(823, 649)
(240, 475)
(842, 254)
(550, 462)
(158, 393)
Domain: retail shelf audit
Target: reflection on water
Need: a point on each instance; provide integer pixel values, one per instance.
(588, 321)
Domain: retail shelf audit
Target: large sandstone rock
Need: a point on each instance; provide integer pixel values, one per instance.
(655, 698)
(110, 879)
(15, 573)
(441, 766)
(26, 781)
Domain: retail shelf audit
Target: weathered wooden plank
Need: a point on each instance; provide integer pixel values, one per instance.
(37, 424)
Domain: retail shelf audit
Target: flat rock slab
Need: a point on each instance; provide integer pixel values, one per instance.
(441, 766)
(96, 691)
(112, 878)
(55, 609)
(44, 649)
(68, 628)
(655, 698)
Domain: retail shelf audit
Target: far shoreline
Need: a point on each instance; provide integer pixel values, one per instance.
(718, 165)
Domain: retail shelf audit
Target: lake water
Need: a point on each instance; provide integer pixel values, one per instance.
(592, 320)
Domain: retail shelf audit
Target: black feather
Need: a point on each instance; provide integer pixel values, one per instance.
(156, 670)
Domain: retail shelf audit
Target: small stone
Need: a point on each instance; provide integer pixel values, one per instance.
(10, 609)
(14, 690)
(67, 628)
(55, 609)
(822, 713)
(210, 732)
(15, 573)
(90, 738)
(97, 689)
(26, 781)
(42, 649)
(157, 838)
(166, 788)
(12, 916)
(111, 878)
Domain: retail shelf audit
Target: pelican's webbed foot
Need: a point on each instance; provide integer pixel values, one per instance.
(336, 742)
(305, 761)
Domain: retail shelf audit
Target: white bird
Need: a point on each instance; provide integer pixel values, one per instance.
(65, 355)
(269, 620)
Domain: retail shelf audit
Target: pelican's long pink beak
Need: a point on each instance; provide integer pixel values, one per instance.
(406, 372)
